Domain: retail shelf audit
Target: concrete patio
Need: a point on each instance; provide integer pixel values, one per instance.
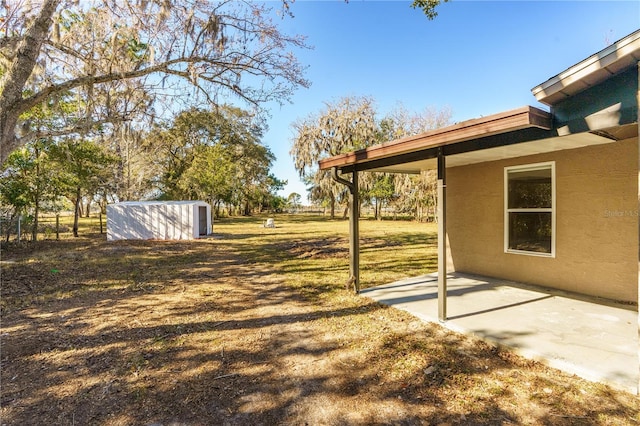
(587, 337)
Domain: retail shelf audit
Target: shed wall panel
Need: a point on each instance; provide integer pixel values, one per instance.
(155, 220)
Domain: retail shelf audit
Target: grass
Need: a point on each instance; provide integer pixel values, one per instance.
(315, 250)
(253, 326)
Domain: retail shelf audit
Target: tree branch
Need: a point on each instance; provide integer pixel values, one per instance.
(19, 72)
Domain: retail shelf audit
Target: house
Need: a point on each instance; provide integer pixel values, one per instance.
(158, 220)
(541, 197)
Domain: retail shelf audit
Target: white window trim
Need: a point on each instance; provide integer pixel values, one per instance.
(524, 168)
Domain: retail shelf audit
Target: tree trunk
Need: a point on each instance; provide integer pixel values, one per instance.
(87, 212)
(346, 212)
(76, 213)
(119, 172)
(36, 201)
(11, 101)
(332, 206)
(9, 225)
(36, 212)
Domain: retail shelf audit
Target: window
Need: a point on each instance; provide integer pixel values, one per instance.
(530, 199)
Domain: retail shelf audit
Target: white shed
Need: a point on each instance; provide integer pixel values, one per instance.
(158, 220)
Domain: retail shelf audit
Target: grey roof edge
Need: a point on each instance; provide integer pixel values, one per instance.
(592, 70)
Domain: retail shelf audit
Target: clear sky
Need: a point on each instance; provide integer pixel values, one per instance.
(476, 57)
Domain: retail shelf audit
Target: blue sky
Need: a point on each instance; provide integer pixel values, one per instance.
(476, 57)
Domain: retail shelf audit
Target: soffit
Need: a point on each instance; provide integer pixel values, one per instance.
(518, 150)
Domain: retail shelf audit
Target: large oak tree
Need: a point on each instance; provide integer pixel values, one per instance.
(191, 52)
(350, 124)
(344, 125)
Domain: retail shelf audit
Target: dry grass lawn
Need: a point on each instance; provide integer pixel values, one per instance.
(254, 327)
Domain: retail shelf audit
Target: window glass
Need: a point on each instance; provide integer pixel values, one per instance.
(529, 212)
(530, 231)
(530, 189)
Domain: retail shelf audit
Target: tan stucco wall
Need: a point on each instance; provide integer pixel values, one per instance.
(596, 222)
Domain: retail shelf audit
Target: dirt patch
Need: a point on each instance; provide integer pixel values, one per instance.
(322, 248)
(314, 248)
(199, 333)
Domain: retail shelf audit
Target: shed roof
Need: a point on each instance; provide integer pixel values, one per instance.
(156, 203)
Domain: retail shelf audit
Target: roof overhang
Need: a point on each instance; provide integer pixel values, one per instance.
(518, 133)
(528, 130)
(519, 125)
(590, 72)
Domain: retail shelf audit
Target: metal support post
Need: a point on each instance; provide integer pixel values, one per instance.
(354, 233)
(442, 237)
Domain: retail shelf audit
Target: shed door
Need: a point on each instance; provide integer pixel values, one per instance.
(202, 214)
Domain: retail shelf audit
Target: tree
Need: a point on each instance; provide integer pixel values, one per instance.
(135, 170)
(209, 176)
(400, 122)
(15, 189)
(417, 193)
(224, 135)
(85, 167)
(268, 194)
(28, 181)
(216, 155)
(428, 6)
(346, 125)
(381, 190)
(223, 50)
(294, 200)
(253, 181)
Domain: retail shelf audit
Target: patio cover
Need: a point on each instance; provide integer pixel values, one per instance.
(590, 103)
(609, 115)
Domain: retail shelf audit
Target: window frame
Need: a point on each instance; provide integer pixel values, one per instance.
(548, 165)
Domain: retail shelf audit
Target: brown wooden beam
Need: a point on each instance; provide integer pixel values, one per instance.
(494, 141)
(508, 121)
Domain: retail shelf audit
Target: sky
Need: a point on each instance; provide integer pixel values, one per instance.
(476, 57)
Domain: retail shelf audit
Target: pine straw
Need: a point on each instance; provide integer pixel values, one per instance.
(254, 327)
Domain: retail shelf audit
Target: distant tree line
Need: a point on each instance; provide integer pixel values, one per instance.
(217, 156)
(111, 100)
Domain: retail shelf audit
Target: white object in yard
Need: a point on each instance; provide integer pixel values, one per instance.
(270, 223)
(158, 220)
